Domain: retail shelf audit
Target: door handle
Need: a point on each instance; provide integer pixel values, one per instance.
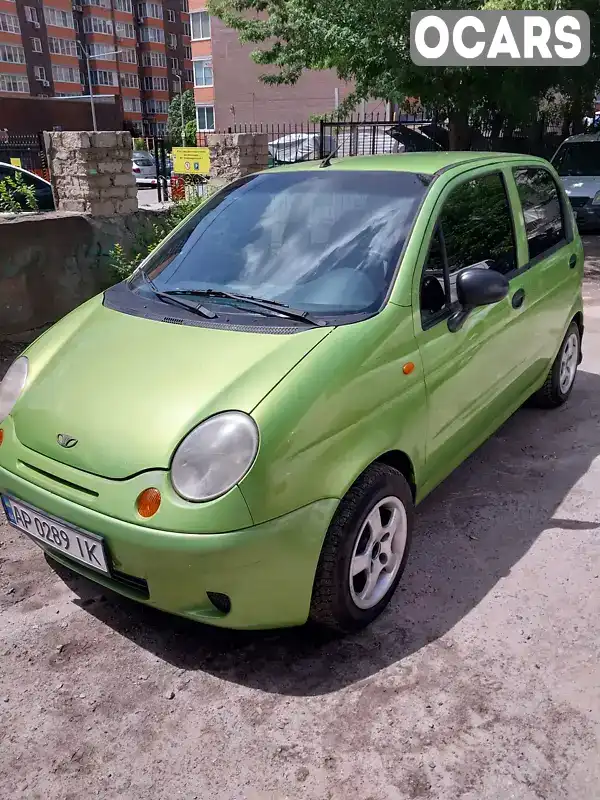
(573, 261)
(518, 298)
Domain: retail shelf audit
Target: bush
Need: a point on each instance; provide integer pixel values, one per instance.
(124, 262)
(16, 194)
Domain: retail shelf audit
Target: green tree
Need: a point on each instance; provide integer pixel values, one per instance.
(189, 118)
(368, 43)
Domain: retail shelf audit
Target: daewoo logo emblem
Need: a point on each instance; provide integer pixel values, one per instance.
(65, 440)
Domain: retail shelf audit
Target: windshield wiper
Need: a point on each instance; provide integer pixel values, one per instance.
(166, 298)
(271, 305)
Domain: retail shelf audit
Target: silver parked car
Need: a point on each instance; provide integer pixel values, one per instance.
(144, 168)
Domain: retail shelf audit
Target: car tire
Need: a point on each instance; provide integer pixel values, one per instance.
(561, 377)
(345, 599)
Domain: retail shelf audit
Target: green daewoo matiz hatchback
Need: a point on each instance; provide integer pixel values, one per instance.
(239, 432)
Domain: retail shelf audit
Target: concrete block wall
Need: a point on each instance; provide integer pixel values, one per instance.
(92, 172)
(234, 155)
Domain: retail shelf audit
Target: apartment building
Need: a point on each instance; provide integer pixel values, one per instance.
(140, 50)
(228, 91)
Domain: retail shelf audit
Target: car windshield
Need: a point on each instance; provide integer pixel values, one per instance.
(578, 158)
(325, 241)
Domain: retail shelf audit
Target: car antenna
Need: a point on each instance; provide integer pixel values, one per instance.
(327, 160)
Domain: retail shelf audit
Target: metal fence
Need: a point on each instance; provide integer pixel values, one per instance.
(373, 135)
(28, 148)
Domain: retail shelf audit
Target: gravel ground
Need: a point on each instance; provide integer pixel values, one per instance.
(481, 682)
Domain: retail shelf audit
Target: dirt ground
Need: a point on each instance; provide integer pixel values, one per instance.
(481, 682)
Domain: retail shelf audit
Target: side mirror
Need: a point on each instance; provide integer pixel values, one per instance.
(476, 286)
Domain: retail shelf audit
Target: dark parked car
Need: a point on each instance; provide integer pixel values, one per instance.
(43, 189)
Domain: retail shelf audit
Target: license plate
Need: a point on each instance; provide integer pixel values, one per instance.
(87, 548)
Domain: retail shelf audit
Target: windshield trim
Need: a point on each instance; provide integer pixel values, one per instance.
(329, 318)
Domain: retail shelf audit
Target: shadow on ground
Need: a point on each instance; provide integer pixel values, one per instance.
(470, 533)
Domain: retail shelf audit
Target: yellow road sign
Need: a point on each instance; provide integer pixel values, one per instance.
(191, 161)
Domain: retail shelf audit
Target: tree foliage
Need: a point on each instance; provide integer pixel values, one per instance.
(368, 43)
(16, 194)
(189, 118)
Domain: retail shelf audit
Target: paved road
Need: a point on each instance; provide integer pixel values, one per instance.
(482, 682)
(147, 197)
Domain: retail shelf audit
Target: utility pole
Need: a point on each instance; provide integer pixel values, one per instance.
(86, 56)
(177, 76)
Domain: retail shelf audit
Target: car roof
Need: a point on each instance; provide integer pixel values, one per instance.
(583, 137)
(424, 163)
(26, 171)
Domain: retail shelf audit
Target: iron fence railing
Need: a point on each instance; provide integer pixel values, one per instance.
(28, 148)
(373, 134)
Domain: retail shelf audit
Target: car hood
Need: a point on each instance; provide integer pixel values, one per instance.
(129, 389)
(580, 185)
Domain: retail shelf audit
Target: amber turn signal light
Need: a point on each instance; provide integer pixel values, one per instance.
(148, 502)
(408, 368)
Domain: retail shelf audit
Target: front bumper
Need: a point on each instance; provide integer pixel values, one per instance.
(267, 570)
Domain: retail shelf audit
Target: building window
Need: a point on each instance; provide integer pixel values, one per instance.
(132, 104)
(187, 30)
(99, 3)
(150, 10)
(31, 14)
(152, 34)
(130, 80)
(187, 52)
(173, 40)
(203, 74)
(58, 17)
(123, 5)
(104, 77)
(205, 118)
(100, 51)
(12, 53)
(10, 24)
(40, 73)
(185, 6)
(189, 76)
(128, 56)
(14, 83)
(150, 58)
(200, 25)
(174, 63)
(171, 15)
(156, 106)
(153, 83)
(67, 94)
(125, 30)
(97, 25)
(65, 74)
(62, 47)
(36, 44)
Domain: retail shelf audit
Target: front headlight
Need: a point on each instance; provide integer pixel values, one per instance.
(12, 385)
(214, 456)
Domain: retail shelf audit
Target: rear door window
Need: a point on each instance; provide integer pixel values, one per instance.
(542, 209)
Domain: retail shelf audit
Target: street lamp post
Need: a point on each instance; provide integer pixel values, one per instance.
(87, 57)
(177, 76)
